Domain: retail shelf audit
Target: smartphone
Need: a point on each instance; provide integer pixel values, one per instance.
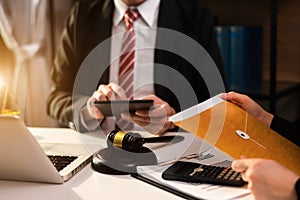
(115, 107)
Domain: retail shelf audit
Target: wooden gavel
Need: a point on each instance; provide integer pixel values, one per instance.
(133, 141)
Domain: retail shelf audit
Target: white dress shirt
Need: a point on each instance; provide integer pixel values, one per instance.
(145, 36)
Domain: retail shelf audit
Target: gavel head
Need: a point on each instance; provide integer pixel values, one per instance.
(128, 141)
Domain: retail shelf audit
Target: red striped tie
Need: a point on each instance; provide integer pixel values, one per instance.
(127, 59)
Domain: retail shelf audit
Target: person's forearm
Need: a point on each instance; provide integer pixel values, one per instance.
(59, 107)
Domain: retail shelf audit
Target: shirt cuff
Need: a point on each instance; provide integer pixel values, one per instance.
(90, 125)
(297, 188)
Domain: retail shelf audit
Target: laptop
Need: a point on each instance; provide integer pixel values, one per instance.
(23, 159)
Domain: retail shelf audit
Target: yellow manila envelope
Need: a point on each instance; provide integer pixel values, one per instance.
(235, 132)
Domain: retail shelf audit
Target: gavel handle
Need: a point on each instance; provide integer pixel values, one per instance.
(162, 139)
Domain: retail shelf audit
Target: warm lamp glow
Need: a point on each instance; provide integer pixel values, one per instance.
(4, 91)
(7, 105)
(2, 83)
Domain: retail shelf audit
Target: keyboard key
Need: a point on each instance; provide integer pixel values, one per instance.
(60, 162)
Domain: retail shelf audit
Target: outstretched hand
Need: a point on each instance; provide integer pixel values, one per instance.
(250, 106)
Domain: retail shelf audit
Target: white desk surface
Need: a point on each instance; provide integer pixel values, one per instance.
(86, 184)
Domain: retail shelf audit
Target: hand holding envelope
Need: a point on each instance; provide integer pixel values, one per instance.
(237, 133)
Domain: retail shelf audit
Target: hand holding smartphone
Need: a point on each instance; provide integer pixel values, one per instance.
(116, 107)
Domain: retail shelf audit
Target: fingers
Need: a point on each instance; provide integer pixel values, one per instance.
(158, 115)
(145, 120)
(118, 91)
(156, 99)
(99, 96)
(112, 91)
(231, 95)
(248, 167)
(236, 98)
(92, 109)
(155, 125)
(104, 92)
(157, 110)
(239, 165)
(156, 119)
(160, 108)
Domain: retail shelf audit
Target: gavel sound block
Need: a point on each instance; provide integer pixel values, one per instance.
(125, 151)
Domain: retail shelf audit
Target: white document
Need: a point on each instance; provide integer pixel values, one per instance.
(197, 190)
(192, 145)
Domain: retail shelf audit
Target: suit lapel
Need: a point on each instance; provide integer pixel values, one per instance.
(101, 29)
(170, 17)
(107, 10)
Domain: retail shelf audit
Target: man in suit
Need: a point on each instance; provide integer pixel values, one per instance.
(93, 22)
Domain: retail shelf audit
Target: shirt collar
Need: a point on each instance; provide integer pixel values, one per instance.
(148, 15)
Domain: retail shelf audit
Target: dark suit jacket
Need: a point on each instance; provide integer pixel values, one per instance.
(90, 23)
(287, 129)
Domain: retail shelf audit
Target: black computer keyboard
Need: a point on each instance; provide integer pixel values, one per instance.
(61, 162)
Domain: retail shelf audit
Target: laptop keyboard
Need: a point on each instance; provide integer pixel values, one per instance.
(61, 162)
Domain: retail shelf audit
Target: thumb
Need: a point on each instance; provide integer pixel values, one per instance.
(240, 165)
